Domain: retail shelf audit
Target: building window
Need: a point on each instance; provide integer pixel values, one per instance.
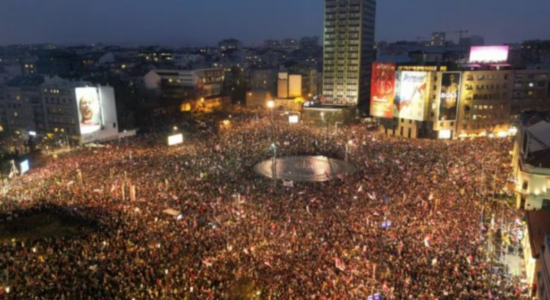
(525, 185)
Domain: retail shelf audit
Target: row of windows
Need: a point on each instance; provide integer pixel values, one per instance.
(10, 105)
(530, 94)
(482, 107)
(57, 100)
(478, 126)
(350, 88)
(56, 91)
(531, 76)
(481, 87)
(57, 110)
(488, 96)
(540, 84)
(61, 120)
(525, 185)
(471, 77)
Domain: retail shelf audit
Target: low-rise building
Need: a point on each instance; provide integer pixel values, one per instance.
(432, 101)
(538, 228)
(22, 100)
(181, 85)
(531, 162)
(543, 276)
(262, 79)
(289, 86)
(530, 92)
(55, 107)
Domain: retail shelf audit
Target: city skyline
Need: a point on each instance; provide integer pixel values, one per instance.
(142, 22)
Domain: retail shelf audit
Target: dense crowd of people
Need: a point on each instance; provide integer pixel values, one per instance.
(194, 221)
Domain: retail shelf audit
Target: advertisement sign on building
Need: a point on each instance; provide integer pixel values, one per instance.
(97, 116)
(445, 134)
(382, 90)
(410, 94)
(90, 114)
(488, 54)
(449, 96)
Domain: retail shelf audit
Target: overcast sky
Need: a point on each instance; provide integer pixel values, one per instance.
(205, 22)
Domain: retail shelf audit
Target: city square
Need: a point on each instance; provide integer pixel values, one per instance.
(275, 150)
(409, 221)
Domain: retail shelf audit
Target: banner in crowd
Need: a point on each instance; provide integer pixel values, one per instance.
(382, 90)
(449, 96)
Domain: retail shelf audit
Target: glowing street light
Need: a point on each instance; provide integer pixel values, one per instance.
(271, 105)
(348, 144)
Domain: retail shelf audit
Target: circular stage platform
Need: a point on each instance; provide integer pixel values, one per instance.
(304, 168)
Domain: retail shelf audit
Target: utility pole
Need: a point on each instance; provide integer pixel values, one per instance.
(336, 127)
(274, 163)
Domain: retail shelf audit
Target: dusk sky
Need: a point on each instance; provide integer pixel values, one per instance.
(205, 22)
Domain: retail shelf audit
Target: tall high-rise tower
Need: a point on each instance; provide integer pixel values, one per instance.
(348, 51)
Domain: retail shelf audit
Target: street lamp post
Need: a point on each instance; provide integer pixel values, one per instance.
(274, 163)
(347, 149)
(336, 127)
(325, 123)
(271, 105)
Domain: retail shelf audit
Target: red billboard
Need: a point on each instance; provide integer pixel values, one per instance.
(382, 90)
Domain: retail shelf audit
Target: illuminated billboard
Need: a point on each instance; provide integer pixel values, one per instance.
(96, 112)
(449, 95)
(382, 90)
(293, 119)
(486, 54)
(445, 134)
(24, 165)
(411, 94)
(90, 115)
(175, 139)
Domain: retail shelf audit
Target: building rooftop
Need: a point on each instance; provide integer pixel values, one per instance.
(394, 58)
(540, 159)
(537, 127)
(31, 80)
(538, 224)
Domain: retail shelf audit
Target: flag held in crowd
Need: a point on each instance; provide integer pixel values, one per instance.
(428, 241)
(339, 265)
